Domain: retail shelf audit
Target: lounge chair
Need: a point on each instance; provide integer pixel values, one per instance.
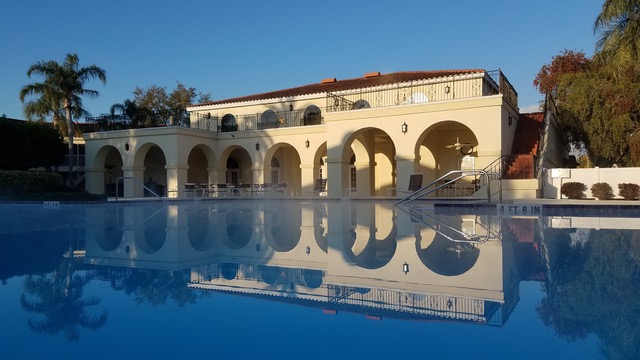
(415, 184)
(320, 187)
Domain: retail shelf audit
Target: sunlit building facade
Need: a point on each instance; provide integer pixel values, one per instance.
(365, 135)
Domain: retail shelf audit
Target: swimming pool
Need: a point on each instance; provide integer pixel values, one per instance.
(314, 279)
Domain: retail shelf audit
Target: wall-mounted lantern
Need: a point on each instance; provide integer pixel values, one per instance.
(258, 146)
(405, 268)
(307, 143)
(126, 146)
(405, 128)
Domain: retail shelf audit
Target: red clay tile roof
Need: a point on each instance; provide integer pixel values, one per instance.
(328, 85)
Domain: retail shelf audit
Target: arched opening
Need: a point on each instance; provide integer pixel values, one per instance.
(312, 115)
(228, 123)
(447, 146)
(198, 167)
(155, 173)
(113, 170)
(282, 168)
(369, 163)
(268, 120)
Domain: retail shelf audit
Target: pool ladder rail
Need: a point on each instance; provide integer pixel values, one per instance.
(482, 180)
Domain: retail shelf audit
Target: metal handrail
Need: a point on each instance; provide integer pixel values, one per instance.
(426, 190)
(139, 183)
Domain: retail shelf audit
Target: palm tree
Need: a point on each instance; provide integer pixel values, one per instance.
(58, 297)
(138, 116)
(62, 89)
(619, 43)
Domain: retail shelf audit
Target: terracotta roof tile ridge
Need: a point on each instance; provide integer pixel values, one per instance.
(341, 84)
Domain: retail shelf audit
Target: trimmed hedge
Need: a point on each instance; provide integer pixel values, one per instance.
(15, 181)
(629, 191)
(602, 191)
(573, 190)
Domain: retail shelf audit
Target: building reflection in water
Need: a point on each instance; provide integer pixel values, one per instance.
(359, 256)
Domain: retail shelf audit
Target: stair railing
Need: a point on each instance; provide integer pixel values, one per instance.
(139, 183)
(445, 181)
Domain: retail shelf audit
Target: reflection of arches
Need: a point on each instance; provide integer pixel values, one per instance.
(312, 115)
(228, 123)
(282, 228)
(448, 258)
(198, 224)
(321, 228)
(229, 271)
(238, 231)
(270, 274)
(112, 236)
(155, 233)
(313, 278)
(368, 252)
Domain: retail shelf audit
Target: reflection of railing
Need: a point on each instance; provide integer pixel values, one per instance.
(139, 183)
(434, 306)
(448, 231)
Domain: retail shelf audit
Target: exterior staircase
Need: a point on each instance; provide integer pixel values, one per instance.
(520, 165)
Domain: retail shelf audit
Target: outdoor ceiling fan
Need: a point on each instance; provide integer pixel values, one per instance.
(458, 145)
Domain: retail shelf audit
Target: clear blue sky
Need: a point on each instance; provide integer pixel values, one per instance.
(235, 48)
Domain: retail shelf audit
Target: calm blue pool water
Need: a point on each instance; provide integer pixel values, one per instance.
(314, 280)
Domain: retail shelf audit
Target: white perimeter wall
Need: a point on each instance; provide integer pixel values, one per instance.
(554, 178)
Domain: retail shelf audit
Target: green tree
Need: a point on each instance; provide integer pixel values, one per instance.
(618, 46)
(597, 112)
(603, 114)
(167, 106)
(27, 144)
(138, 116)
(63, 84)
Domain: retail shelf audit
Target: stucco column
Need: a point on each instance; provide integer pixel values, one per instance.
(257, 176)
(364, 185)
(406, 164)
(219, 176)
(131, 188)
(212, 175)
(308, 178)
(176, 178)
(337, 176)
(94, 183)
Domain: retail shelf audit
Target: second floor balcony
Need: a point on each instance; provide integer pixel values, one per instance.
(455, 87)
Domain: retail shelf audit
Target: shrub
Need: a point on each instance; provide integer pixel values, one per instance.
(629, 191)
(12, 182)
(602, 191)
(573, 190)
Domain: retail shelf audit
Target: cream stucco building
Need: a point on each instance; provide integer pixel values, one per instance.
(365, 135)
